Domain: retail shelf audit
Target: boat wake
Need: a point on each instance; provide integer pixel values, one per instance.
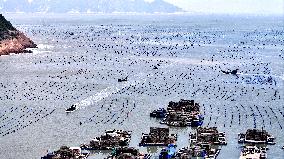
(107, 92)
(264, 75)
(258, 79)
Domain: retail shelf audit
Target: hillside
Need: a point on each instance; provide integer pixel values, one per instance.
(12, 40)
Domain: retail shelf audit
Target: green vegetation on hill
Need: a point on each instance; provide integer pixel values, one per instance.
(12, 40)
(5, 25)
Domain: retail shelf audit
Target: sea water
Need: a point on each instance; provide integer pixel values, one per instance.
(80, 58)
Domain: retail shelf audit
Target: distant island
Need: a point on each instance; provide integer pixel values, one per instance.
(12, 40)
(89, 6)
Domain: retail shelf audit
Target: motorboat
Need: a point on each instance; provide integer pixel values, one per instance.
(72, 108)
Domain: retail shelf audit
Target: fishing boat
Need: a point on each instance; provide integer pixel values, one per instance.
(72, 108)
(234, 72)
(159, 113)
(169, 152)
(122, 79)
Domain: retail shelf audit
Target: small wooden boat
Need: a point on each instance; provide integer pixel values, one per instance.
(122, 80)
(72, 108)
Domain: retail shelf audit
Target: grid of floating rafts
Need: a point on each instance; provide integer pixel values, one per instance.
(157, 62)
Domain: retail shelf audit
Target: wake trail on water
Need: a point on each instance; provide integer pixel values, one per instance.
(265, 75)
(107, 92)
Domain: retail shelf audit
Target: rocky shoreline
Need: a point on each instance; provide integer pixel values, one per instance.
(12, 40)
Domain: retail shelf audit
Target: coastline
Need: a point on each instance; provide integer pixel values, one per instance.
(12, 40)
(17, 44)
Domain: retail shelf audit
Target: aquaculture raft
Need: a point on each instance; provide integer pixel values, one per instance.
(255, 136)
(158, 137)
(111, 139)
(204, 143)
(127, 152)
(66, 152)
(183, 113)
(208, 135)
(251, 152)
(204, 151)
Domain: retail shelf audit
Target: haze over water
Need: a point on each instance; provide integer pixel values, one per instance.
(80, 58)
